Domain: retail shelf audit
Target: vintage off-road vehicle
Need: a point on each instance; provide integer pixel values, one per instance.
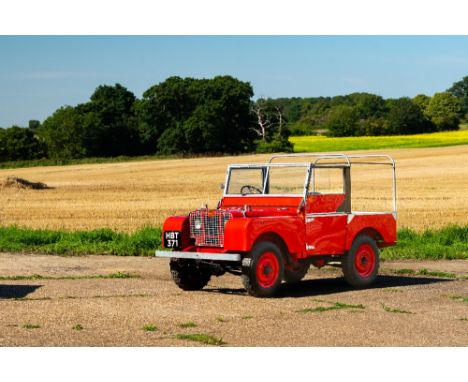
(276, 219)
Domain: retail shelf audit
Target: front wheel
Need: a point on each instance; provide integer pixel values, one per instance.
(188, 274)
(361, 264)
(262, 270)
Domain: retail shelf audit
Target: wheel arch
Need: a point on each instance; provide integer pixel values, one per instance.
(373, 233)
(277, 240)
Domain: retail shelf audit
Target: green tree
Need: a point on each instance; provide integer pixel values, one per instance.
(34, 124)
(70, 133)
(422, 101)
(190, 115)
(460, 90)
(405, 117)
(115, 121)
(368, 105)
(445, 111)
(343, 121)
(17, 143)
(105, 126)
(164, 107)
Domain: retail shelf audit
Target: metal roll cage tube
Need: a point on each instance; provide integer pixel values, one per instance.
(315, 164)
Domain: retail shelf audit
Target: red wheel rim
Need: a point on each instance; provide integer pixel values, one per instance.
(365, 260)
(267, 270)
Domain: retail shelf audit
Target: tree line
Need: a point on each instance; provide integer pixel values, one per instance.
(369, 114)
(192, 116)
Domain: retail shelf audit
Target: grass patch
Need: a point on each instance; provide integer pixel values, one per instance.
(31, 326)
(323, 143)
(117, 275)
(450, 242)
(403, 271)
(246, 317)
(96, 242)
(392, 290)
(425, 272)
(78, 327)
(33, 299)
(335, 306)
(189, 324)
(202, 338)
(68, 162)
(150, 328)
(395, 310)
(447, 275)
(463, 319)
(99, 160)
(220, 319)
(459, 298)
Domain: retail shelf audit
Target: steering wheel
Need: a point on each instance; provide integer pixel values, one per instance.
(248, 189)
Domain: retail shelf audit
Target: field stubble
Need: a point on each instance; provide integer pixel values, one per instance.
(432, 190)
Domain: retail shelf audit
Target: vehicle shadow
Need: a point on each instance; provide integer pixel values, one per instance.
(16, 291)
(324, 286)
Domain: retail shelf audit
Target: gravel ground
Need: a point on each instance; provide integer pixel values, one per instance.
(399, 310)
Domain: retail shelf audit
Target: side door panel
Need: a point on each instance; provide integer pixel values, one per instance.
(326, 233)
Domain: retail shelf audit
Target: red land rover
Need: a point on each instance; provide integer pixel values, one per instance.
(275, 220)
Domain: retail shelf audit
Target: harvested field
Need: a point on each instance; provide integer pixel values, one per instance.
(432, 190)
(71, 310)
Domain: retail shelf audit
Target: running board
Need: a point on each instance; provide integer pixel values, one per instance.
(199, 255)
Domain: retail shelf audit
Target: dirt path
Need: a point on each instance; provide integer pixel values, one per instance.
(114, 311)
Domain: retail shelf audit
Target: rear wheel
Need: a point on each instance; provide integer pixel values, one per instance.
(188, 274)
(294, 275)
(262, 270)
(361, 264)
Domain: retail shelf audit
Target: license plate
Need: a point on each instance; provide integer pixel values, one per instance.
(172, 239)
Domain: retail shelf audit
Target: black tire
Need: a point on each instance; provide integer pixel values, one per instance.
(188, 274)
(361, 264)
(262, 270)
(294, 275)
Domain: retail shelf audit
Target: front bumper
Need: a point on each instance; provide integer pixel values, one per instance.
(199, 255)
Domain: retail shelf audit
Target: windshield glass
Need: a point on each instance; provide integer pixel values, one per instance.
(282, 180)
(243, 181)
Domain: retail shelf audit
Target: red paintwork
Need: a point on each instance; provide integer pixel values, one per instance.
(261, 201)
(326, 234)
(384, 224)
(179, 223)
(241, 234)
(324, 203)
(308, 231)
(365, 260)
(267, 270)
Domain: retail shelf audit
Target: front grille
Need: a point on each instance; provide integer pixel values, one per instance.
(207, 227)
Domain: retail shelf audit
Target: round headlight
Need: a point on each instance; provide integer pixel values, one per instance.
(197, 224)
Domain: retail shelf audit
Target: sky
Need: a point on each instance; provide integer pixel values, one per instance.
(39, 74)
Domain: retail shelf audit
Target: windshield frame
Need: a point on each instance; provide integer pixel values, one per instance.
(266, 179)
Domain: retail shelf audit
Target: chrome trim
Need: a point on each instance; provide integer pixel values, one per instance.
(199, 255)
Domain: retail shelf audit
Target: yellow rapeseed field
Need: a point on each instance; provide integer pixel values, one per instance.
(432, 190)
(324, 143)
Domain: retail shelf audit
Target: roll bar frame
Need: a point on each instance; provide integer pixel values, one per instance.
(347, 161)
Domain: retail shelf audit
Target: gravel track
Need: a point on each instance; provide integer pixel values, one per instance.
(112, 312)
